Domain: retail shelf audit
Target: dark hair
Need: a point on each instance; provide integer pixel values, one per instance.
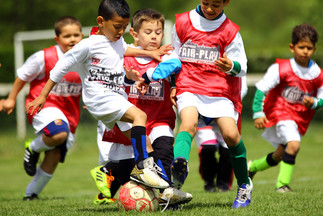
(109, 8)
(64, 21)
(143, 15)
(304, 31)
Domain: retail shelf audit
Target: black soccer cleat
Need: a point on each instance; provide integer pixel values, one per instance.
(30, 160)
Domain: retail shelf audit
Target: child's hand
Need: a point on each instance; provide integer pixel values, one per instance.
(7, 105)
(163, 50)
(133, 74)
(260, 122)
(308, 101)
(142, 87)
(224, 64)
(36, 105)
(173, 97)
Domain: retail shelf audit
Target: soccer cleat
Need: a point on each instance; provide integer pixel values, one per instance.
(179, 171)
(251, 174)
(148, 175)
(30, 159)
(101, 199)
(172, 196)
(284, 189)
(102, 180)
(243, 196)
(31, 197)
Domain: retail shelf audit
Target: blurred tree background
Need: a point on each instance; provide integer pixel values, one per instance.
(265, 25)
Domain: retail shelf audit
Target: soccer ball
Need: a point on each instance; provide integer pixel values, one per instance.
(135, 196)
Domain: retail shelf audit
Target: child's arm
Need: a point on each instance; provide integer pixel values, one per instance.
(257, 107)
(170, 65)
(41, 99)
(9, 104)
(312, 102)
(155, 54)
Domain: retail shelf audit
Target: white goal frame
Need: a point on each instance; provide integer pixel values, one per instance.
(19, 39)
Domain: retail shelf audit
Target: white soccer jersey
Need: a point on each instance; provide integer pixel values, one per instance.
(99, 63)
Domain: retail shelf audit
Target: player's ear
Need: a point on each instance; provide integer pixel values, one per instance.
(291, 47)
(56, 39)
(100, 20)
(134, 34)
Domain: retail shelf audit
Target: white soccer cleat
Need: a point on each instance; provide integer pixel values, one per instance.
(148, 175)
(174, 196)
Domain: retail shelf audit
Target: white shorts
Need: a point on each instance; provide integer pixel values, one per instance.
(46, 116)
(109, 151)
(110, 110)
(208, 132)
(212, 107)
(282, 133)
(163, 130)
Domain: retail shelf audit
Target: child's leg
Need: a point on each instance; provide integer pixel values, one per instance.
(187, 130)
(144, 171)
(224, 175)
(272, 159)
(54, 134)
(138, 132)
(163, 147)
(238, 153)
(288, 163)
(208, 165)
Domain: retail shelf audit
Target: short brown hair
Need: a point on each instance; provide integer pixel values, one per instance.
(64, 21)
(143, 15)
(304, 31)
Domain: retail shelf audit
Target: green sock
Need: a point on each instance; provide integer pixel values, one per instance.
(182, 145)
(259, 165)
(285, 174)
(238, 156)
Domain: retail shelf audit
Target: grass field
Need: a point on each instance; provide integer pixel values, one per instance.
(72, 190)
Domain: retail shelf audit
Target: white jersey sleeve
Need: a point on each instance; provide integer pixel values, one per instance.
(270, 80)
(78, 54)
(33, 68)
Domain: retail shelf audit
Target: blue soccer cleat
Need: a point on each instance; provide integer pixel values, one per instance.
(179, 171)
(243, 196)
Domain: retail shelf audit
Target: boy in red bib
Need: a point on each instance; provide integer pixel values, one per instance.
(56, 124)
(292, 89)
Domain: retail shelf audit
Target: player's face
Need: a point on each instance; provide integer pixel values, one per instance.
(114, 28)
(303, 52)
(150, 35)
(70, 35)
(212, 8)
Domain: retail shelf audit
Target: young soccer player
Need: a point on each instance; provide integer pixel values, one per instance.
(213, 62)
(147, 27)
(291, 89)
(209, 140)
(99, 62)
(56, 123)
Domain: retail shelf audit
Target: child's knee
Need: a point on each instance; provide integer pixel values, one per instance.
(231, 137)
(55, 133)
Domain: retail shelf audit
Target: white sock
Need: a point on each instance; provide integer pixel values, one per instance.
(38, 183)
(38, 145)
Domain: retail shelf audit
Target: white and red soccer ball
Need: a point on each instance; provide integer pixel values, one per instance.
(134, 196)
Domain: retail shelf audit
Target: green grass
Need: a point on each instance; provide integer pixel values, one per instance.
(72, 190)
